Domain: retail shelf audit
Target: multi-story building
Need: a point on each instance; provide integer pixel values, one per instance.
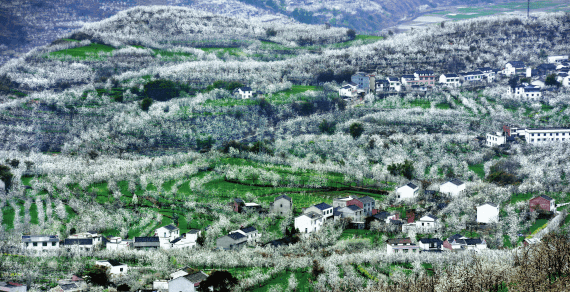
(472, 76)
(364, 82)
(514, 68)
(496, 139)
(525, 91)
(489, 73)
(425, 77)
(541, 135)
(450, 80)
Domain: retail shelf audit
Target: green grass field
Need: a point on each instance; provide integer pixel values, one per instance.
(478, 169)
(91, 51)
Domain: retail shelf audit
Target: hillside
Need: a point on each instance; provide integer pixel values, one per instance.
(133, 123)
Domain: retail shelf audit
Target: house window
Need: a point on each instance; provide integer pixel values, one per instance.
(35, 244)
(121, 269)
(306, 230)
(164, 234)
(53, 244)
(44, 243)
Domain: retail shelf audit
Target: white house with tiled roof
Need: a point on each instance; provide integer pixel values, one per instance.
(401, 245)
(452, 187)
(407, 191)
(488, 213)
(40, 242)
(310, 222)
(322, 208)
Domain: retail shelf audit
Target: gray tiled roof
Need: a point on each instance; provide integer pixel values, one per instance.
(236, 236)
(366, 199)
(170, 227)
(451, 75)
(197, 277)
(248, 229)
(78, 241)
(456, 181)
(42, 238)
(322, 206)
(411, 185)
(353, 207)
(194, 231)
(146, 239)
(283, 196)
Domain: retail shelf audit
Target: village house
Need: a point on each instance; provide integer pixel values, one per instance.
(452, 187)
(322, 208)
(542, 135)
(514, 67)
(382, 85)
(187, 283)
(426, 224)
(543, 202)
(368, 205)
(489, 73)
(231, 241)
(401, 245)
(12, 287)
(80, 244)
(394, 83)
(450, 80)
(94, 235)
(250, 232)
(186, 240)
(355, 213)
(430, 244)
(385, 217)
(458, 242)
(407, 191)
(117, 243)
(348, 90)
(237, 205)
(409, 79)
(544, 69)
(115, 267)
(146, 243)
(244, 92)
(166, 234)
(364, 82)
(556, 59)
(309, 222)
(425, 77)
(525, 91)
(472, 77)
(342, 201)
(40, 242)
(488, 213)
(496, 139)
(282, 205)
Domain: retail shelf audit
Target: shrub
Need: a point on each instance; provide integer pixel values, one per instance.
(163, 90)
(351, 33)
(6, 175)
(356, 130)
(327, 127)
(146, 103)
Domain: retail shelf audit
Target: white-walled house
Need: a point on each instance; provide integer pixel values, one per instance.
(407, 191)
(489, 72)
(186, 240)
(426, 224)
(557, 59)
(401, 245)
(496, 139)
(452, 187)
(186, 283)
(544, 135)
(430, 244)
(461, 243)
(97, 238)
(322, 208)
(115, 267)
(117, 243)
(40, 242)
(245, 92)
(309, 222)
(525, 91)
(450, 80)
(348, 90)
(79, 244)
(169, 231)
(488, 213)
(250, 232)
(514, 67)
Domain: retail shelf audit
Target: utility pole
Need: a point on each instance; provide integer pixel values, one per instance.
(528, 9)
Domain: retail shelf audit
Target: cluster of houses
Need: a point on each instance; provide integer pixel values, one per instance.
(530, 135)
(184, 280)
(421, 80)
(167, 237)
(454, 243)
